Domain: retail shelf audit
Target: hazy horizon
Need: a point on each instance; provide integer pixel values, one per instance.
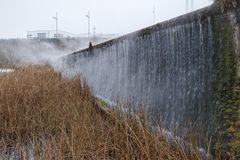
(108, 16)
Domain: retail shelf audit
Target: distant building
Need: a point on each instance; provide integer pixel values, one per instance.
(48, 34)
(44, 34)
(101, 35)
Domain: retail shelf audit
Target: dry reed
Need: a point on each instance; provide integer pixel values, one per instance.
(44, 115)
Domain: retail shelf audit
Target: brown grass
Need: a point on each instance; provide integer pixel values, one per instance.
(48, 116)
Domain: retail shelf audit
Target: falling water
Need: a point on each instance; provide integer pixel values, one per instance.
(169, 67)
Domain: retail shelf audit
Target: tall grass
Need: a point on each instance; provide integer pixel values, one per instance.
(44, 115)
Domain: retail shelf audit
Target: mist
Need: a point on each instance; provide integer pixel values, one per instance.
(49, 51)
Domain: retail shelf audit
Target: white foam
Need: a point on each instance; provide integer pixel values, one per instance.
(6, 71)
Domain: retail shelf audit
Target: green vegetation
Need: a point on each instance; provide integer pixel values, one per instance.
(102, 103)
(228, 3)
(226, 89)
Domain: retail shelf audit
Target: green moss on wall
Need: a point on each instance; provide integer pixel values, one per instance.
(225, 4)
(235, 125)
(226, 89)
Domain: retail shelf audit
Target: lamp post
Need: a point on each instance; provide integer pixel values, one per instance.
(192, 5)
(189, 5)
(154, 14)
(94, 31)
(56, 18)
(88, 17)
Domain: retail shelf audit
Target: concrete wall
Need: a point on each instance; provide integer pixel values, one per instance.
(185, 71)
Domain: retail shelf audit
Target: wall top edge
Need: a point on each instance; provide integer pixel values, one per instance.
(214, 9)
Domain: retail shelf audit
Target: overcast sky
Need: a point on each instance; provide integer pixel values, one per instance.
(109, 16)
